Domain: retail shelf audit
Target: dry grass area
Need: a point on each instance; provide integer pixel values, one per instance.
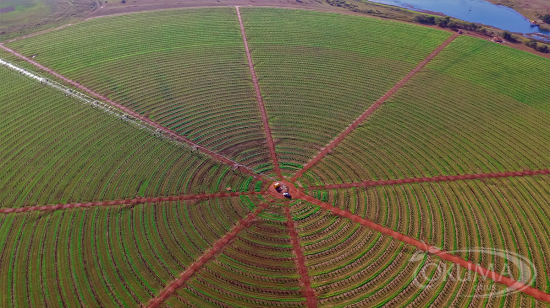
(20, 17)
(529, 8)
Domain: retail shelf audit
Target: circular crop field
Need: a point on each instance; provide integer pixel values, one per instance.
(145, 157)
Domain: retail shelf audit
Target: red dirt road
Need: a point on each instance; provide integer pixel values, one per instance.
(434, 179)
(260, 99)
(307, 291)
(127, 201)
(372, 108)
(134, 114)
(197, 265)
(516, 285)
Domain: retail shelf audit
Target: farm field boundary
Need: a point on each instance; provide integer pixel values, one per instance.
(197, 265)
(373, 108)
(138, 116)
(446, 178)
(511, 283)
(311, 300)
(126, 202)
(259, 98)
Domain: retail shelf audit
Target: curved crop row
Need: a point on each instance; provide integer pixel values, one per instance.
(186, 70)
(441, 125)
(55, 150)
(257, 270)
(119, 256)
(353, 266)
(508, 214)
(318, 72)
(511, 72)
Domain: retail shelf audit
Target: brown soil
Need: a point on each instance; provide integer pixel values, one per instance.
(197, 265)
(125, 202)
(292, 190)
(305, 281)
(260, 99)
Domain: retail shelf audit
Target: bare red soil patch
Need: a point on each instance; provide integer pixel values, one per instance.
(307, 291)
(126, 201)
(292, 190)
(434, 179)
(516, 285)
(373, 108)
(195, 267)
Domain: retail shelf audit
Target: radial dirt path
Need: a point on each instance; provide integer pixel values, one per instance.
(516, 285)
(373, 108)
(311, 300)
(126, 201)
(447, 178)
(197, 265)
(259, 98)
(136, 115)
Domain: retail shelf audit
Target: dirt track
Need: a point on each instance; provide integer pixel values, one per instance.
(536, 293)
(259, 98)
(373, 108)
(197, 265)
(434, 179)
(311, 300)
(126, 201)
(136, 115)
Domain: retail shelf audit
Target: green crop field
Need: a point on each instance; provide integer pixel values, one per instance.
(447, 124)
(142, 174)
(186, 70)
(57, 150)
(318, 72)
(508, 214)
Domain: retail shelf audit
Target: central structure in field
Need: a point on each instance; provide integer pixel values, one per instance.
(283, 190)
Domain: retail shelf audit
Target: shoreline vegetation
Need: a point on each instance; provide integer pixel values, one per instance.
(447, 22)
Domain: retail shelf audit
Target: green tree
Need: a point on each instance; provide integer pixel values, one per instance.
(507, 36)
(424, 19)
(546, 18)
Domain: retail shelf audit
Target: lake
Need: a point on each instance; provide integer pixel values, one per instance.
(477, 11)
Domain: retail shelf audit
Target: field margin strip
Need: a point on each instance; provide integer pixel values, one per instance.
(372, 108)
(446, 178)
(138, 116)
(197, 265)
(307, 291)
(259, 98)
(63, 206)
(511, 283)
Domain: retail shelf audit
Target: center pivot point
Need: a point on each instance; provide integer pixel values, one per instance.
(283, 190)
